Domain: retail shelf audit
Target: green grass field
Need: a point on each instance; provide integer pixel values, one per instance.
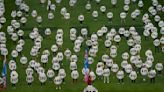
(93, 26)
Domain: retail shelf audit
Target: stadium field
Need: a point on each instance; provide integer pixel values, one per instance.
(92, 25)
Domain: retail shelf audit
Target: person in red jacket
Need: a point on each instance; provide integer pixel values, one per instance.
(89, 82)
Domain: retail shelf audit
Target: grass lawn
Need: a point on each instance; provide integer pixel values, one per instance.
(93, 26)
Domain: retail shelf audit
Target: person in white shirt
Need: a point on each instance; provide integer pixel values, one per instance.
(67, 16)
(39, 20)
(50, 74)
(106, 74)
(20, 33)
(88, 7)
(81, 18)
(144, 72)
(114, 2)
(95, 15)
(19, 14)
(62, 74)
(99, 72)
(47, 31)
(103, 9)
(67, 53)
(23, 20)
(133, 76)
(120, 76)
(73, 65)
(152, 75)
(14, 78)
(56, 66)
(109, 63)
(133, 16)
(44, 60)
(34, 13)
(126, 8)
(58, 81)
(114, 68)
(123, 16)
(156, 43)
(42, 78)
(12, 65)
(54, 49)
(13, 14)
(110, 16)
(60, 57)
(140, 4)
(117, 39)
(74, 75)
(29, 71)
(159, 67)
(29, 79)
(14, 54)
(84, 32)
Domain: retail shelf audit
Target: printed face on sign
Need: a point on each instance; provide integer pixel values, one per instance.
(88, 6)
(115, 68)
(75, 74)
(19, 48)
(125, 55)
(44, 58)
(128, 68)
(109, 62)
(42, 78)
(67, 53)
(58, 80)
(50, 73)
(56, 66)
(113, 54)
(159, 66)
(14, 53)
(90, 60)
(4, 51)
(29, 78)
(23, 60)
